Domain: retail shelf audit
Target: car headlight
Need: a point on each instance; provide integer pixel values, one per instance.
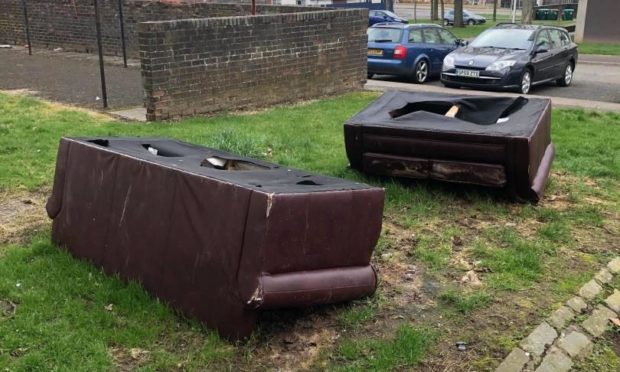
(448, 63)
(500, 65)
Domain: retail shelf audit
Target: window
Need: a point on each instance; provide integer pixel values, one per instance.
(447, 37)
(556, 41)
(384, 35)
(431, 36)
(415, 36)
(543, 40)
(565, 38)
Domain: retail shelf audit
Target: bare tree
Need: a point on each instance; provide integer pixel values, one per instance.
(527, 9)
(495, 10)
(458, 13)
(434, 10)
(443, 11)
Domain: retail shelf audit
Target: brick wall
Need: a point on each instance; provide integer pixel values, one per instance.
(70, 24)
(206, 65)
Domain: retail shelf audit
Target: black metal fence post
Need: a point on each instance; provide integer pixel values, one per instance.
(120, 15)
(27, 24)
(104, 93)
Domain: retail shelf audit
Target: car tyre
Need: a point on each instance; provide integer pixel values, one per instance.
(421, 72)
(526, 82)
(471, 22)
(370, 75)
(446, 22)
(568, 76)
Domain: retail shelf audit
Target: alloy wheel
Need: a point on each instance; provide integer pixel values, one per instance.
(421, 72)
(568, 74)
(526, 82)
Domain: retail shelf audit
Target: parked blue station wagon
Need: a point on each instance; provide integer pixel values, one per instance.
(413, 51)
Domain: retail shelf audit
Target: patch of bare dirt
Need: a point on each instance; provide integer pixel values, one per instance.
(128, 359)
(20, 213)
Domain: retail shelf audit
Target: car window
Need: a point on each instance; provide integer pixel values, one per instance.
(415, 36)
(565, 38)
(542, 40)
(431, 36)
(554, 36)
(384, 35)
(374, 13)
(446, 36)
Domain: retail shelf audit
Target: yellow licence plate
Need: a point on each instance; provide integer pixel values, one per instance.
(375, 52)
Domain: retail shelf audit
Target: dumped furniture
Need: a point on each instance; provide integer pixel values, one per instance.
(491, 141)
(217, 236)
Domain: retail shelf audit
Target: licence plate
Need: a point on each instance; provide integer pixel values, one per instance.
(467, 73)
(375, 52)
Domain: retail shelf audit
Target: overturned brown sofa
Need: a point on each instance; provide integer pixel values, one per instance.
(500, 142)
(215, 235)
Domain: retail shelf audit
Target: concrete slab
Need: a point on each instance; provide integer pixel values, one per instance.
(131, 114)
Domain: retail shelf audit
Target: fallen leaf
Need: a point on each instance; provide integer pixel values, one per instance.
(109, 307)
(471, 278)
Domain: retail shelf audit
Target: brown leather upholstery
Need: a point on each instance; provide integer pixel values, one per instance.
(215, 244)
(394, 136)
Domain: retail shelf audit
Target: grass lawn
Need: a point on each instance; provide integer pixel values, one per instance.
(63, 314)
(470, 32)
(593, 48)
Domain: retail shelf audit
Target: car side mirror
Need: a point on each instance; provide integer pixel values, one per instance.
(541, 49)
(461, 42)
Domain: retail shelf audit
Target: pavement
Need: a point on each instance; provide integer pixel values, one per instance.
(71, 78)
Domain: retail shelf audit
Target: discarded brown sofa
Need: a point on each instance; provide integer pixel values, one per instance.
(491, 141)
(215, 235)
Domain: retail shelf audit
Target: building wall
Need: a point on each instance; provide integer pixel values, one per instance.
(597, 21)
(70, 24)
(207, 65)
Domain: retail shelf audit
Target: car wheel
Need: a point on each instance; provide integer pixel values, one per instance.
(446, 22)
(471, 22)
(420, 72)
(526, 82)
(370, 75)
(568, 76)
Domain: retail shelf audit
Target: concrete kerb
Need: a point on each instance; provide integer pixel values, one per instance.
(557, 348)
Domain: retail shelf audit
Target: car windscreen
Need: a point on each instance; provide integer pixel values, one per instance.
(504, 39)
(384, 35)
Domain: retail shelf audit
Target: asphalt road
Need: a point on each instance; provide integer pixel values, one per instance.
(592, 81)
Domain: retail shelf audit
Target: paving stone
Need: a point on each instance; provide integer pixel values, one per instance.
(577, 304)
(614, 265)
(597, 323)
(613, 301)
(560, 317)
(514, 362)
(575, 344)
(540, 337)
(555, 361)
(603, 276)
(590, 290)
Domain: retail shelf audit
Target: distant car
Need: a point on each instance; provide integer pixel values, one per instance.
(413, 51)
(512, 57)
(469, 18)
(380, 16)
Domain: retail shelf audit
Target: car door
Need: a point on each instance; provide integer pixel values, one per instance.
(449, 42)
(543, 61)
(434, 47)
(559, 50)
